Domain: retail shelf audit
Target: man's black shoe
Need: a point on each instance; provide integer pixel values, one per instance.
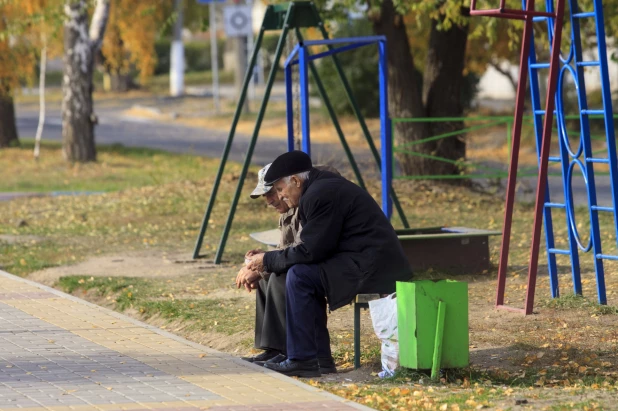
(327, 365)
(277, 359)
(294, 368)
(265, 356)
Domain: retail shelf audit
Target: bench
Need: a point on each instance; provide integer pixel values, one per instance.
(467, 250)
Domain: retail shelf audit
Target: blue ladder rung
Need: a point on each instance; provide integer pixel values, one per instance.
(600, 208)
(593, 112)
(539, 112)
(539, 65)
(558, 251)
(584, 15)
(539, 19)
(597, 160)
(607, 257)
(555, 205)
(554, 159)
(588, 63)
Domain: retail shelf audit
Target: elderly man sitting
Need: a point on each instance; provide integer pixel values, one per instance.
(348, 247)
(270, 332)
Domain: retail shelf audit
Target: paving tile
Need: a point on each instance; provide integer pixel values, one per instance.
(61, 353)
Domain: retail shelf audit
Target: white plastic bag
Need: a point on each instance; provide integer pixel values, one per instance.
(384, 318)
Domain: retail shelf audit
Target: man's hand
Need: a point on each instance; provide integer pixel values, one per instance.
(247, 278)
(257, 263)
(251, 253)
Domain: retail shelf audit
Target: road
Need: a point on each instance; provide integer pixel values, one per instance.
(114, 127)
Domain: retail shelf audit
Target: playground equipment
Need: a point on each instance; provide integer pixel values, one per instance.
(558, 66)
(294, 16)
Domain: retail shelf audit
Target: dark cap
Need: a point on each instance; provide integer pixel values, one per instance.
(288, 164)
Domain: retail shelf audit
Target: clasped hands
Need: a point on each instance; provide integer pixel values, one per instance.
(249, 274)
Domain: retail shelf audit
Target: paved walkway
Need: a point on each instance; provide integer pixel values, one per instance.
(58, 352)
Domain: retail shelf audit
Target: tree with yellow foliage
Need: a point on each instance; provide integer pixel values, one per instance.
(24, 26)
(129, 42)
(16, 64)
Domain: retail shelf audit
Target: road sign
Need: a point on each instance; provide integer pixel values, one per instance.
(237, 20)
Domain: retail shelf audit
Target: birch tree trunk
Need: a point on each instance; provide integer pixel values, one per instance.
(80, 47)
(39, 129)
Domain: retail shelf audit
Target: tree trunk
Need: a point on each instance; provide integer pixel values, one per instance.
(8, 127)
(80, 47)
(405, 83)
(442, 97)
(438, 94)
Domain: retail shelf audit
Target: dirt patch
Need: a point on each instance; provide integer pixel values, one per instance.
(16, 239)
(145, 264)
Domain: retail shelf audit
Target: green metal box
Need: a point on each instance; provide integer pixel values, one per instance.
(417, 318)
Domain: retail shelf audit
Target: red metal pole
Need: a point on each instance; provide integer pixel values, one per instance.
(516, 137)
(554, 68)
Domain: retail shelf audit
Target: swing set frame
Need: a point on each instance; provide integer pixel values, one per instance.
(294, 16)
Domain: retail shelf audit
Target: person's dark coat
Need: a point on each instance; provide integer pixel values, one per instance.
(346, 233)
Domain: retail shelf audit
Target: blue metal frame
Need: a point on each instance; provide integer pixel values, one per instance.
(304, 57)
(581, 156)
(304, 100)
(289, 112)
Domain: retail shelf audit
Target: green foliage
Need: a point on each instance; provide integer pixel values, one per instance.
(197, 55)
(361, 69)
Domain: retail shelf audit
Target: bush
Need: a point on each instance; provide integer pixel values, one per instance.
(361, 69)
(197, 55)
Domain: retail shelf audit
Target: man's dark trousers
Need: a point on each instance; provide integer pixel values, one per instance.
(270, 314)
(306, 314)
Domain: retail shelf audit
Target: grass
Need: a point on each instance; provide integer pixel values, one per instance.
(154, 201)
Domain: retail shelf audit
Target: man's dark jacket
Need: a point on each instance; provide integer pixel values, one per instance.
(346, 233)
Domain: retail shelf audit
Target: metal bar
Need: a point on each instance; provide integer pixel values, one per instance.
(334, 51)
(512, 176)
(258, 123)
(588, 63)
(597, 160)
(333, 117)
(555, 205)
(361, 120)
(289, 106)
(554, 159)
(228, 145)
(357, 330)
(304, 100)
(584, 15)
(600, 208)
(557, 251)
(547, 214)
(610, 133)
(385, 132)
(593, 112)
(539, 65)
(607, 257)
(452, 133)
(288, 61)
(544, 155)
(344, 40)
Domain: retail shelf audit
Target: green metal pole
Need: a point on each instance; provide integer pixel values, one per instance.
(361, 120)
(258, 123)
(334, 119)
(438, 341)
(228, 145)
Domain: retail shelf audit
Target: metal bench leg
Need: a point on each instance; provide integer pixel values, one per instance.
(357, 330)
